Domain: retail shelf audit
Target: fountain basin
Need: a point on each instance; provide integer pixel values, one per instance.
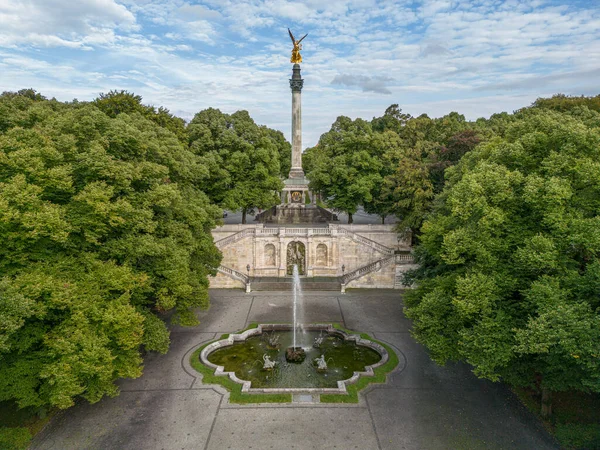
(228, 358)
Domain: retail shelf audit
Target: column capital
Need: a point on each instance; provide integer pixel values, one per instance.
(296, 85)
(296, 82)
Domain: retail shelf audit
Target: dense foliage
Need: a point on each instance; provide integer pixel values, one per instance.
(119, 102)
(102, 224)
(393, 165)
(345, 167)
(244, 160)
(507, 214)
(563, 103)
(510, 269)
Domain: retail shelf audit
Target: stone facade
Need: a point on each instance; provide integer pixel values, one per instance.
(332, 251)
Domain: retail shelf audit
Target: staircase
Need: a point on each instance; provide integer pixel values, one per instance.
(402, 259)
(286, 284)
(234, 238)
(389, 255)
(366, 241)
(231, 273)
(364, 270)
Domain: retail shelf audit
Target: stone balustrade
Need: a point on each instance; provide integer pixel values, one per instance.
(405, 258)
(364, 240)
(234, 274)
(364, 270)
(235, 237)
(286, 231)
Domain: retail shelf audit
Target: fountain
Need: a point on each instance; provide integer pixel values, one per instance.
(300, 368)
(295, 353)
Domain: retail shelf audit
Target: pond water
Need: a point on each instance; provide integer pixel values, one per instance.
(246, 360)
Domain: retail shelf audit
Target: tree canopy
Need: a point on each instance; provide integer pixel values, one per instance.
(510, 268)
(114, 103)
(345, 166)
(393, 165)
(242, 158)
(102, 225)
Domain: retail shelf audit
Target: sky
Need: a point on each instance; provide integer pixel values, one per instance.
(476, 57)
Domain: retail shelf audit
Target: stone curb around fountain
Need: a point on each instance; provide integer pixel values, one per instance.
(198, 377)
(329, 328)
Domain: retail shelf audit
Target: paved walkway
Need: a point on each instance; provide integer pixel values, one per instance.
(422, 406)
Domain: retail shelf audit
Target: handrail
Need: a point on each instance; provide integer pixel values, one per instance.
(364, 240)
(235, 237)
(364, 270)
(231, 273)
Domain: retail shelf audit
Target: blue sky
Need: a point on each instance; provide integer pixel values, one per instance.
(429, 56)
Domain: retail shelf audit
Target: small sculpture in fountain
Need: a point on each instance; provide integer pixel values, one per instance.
(273, 341)
(321, 364)
(268, 364)
(319, 340)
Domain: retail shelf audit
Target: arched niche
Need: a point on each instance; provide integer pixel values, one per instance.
(270, 258)
(296, 255)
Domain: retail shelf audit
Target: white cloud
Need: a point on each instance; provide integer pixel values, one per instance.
(434, 57)
(197, 12)
(377, 84)
(56, 23)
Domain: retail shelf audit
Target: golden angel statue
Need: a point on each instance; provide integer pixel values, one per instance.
(296, 57)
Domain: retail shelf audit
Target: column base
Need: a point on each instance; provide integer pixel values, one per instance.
(296, 172)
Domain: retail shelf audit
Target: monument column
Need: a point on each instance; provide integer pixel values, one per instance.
(296, 83)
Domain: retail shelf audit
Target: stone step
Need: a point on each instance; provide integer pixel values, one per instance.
(286, 284)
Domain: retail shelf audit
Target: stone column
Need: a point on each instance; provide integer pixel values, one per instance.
(310, 253)
(282, 253)
(296, 83)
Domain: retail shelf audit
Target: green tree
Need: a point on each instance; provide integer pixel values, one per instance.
(564, 103)
(242, 158)
(346, 168)
(123, 102)
(101, 226)
(409, 191)
(119, 102)
(393, 119)
(449, 154)
(389, 148)
(510, 269)
(284, 148)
